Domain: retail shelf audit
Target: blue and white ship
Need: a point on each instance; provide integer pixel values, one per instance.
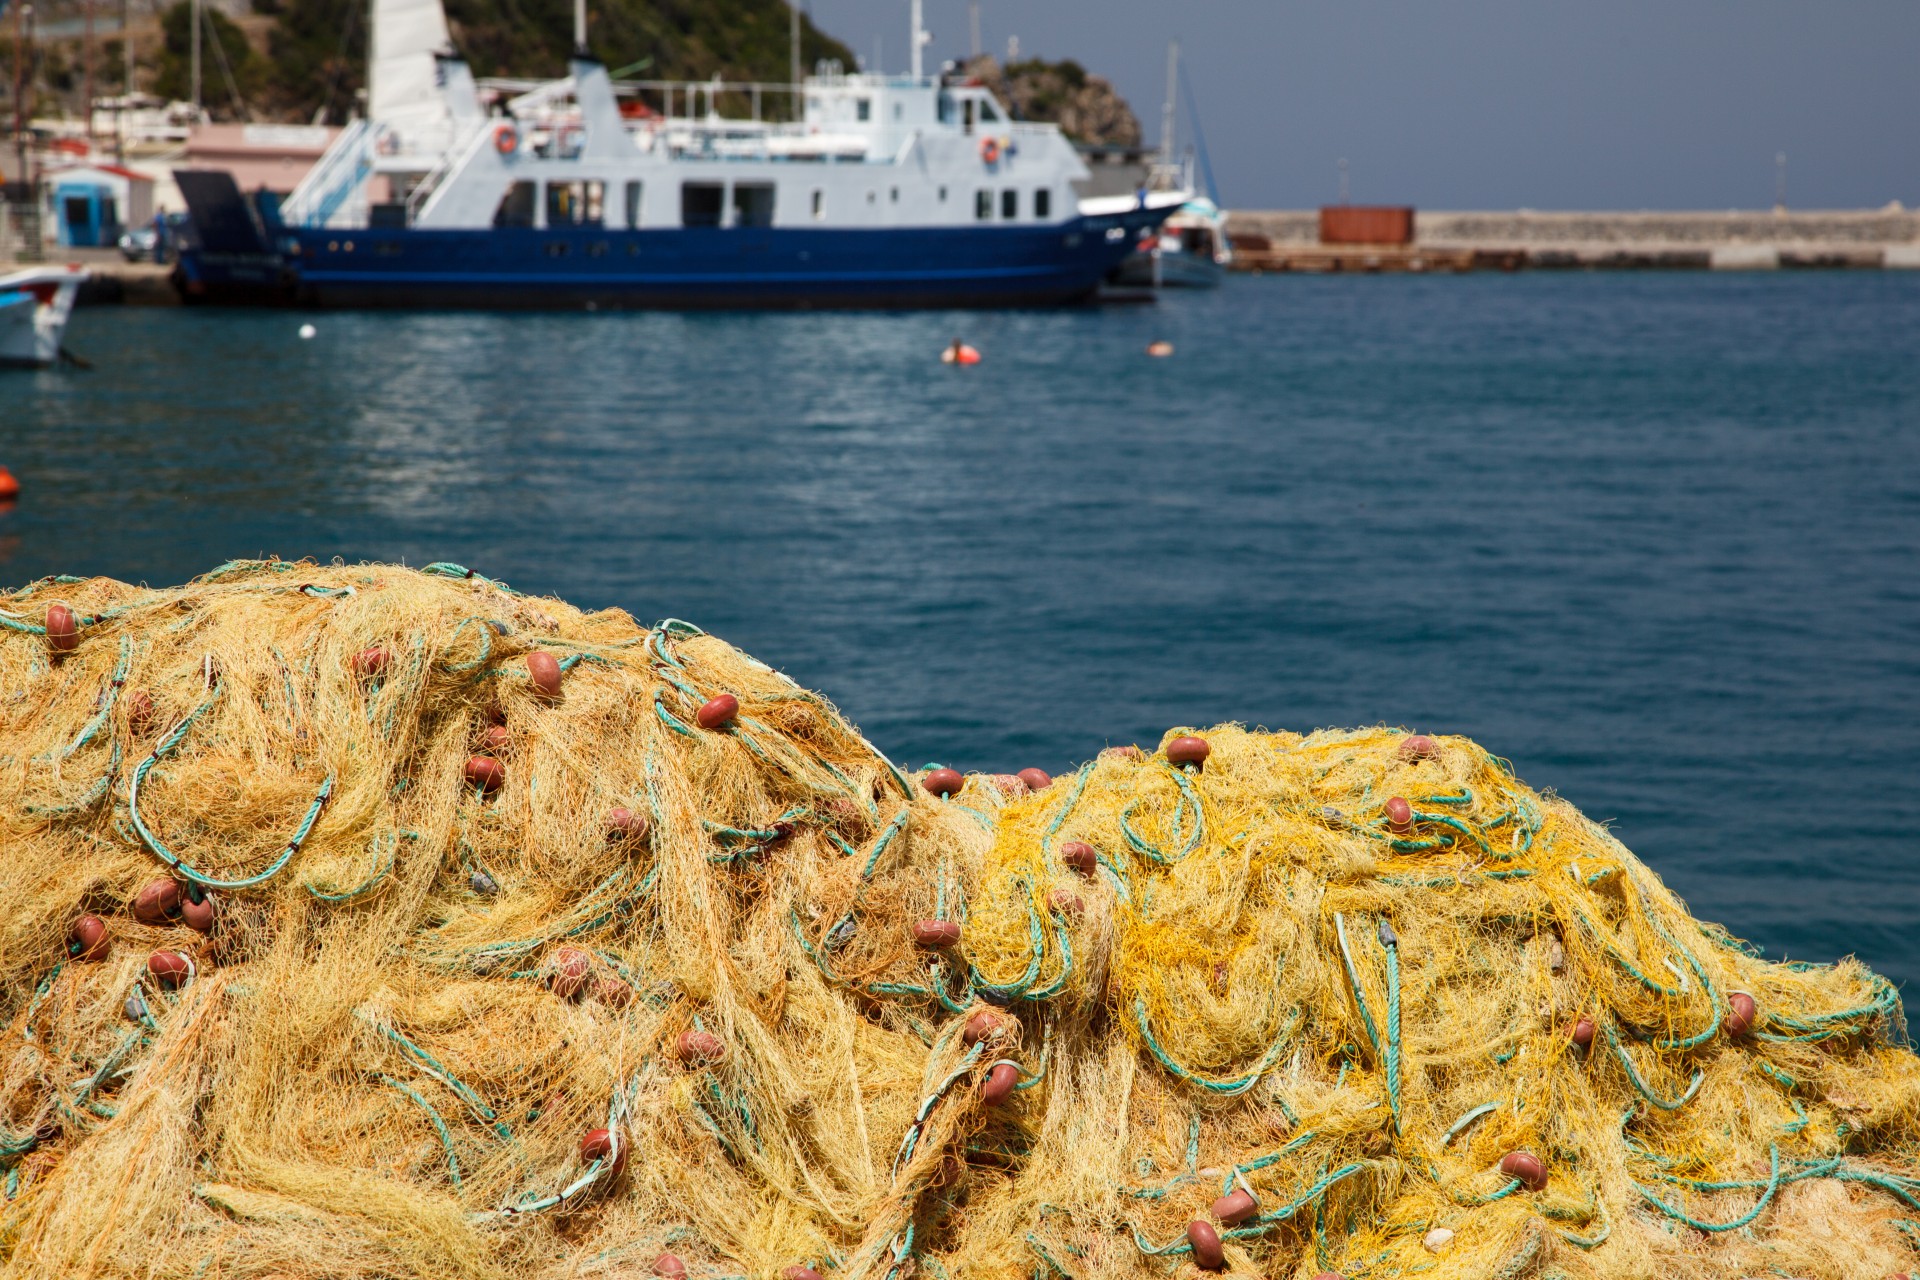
(887, 191)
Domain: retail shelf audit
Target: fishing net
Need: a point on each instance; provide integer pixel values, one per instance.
(369, 922)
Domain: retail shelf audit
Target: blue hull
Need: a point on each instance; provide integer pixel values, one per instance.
(593, 267)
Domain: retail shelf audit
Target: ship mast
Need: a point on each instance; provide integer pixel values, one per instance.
(1166, 109)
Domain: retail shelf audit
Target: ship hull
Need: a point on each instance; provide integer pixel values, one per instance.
(672, 268)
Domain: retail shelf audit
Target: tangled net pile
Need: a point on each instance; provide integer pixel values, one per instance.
(366, 922)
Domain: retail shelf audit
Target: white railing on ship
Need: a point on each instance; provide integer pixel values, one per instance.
(332, 182)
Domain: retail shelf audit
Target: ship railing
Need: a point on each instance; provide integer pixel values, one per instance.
(420, 199)
(341, 172)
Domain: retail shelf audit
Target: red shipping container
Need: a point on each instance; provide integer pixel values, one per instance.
(1366, 224)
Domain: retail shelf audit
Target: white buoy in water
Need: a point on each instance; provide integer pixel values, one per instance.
(307, 331)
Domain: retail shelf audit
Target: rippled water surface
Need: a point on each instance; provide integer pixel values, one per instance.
(1652, 537)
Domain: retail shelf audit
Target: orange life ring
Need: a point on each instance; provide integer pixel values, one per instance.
(990, 150)
(505, 140)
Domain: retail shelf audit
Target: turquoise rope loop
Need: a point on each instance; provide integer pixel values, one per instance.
(1353, 979)
(1066, 809)
(1225, 1088)
(1681, 1215)
(432, 1066)
(1640, 1086)
(166, 855)
(439, 1125)
(382, 864)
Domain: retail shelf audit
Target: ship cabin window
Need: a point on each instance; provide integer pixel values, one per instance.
(988, 111)
(893, 194)
(1042, 203)
(556, 248)
(575, 204)
(966, 115)
(863, 108)
(943, 109)
(753, 204)
(701, 203)
(943, 195)
(516, 206)
(633, 205)
(896, 111)
(983, 206)
(872, 196)
(1010, 203)
(819, 203)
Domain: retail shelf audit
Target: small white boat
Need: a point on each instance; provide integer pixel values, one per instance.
(1190, 251)
(34, 306)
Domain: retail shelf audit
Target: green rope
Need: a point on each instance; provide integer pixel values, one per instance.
(1225, 1088)
(1391, 943)
(1641, 1087)
(1681, 1215)
(1353, 978)
(439, 1125)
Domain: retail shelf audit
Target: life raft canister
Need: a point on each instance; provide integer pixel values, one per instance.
(506, 140)
(990, 150)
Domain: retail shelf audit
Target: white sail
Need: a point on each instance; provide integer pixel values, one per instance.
(404, 92)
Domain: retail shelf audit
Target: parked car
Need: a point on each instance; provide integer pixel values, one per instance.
(155, 242)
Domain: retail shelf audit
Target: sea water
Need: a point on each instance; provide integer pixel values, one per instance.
(1651, 537)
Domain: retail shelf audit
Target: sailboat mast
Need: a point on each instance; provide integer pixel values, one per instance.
(1166, 109)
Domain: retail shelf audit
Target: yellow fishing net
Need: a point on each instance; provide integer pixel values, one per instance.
(370, 922)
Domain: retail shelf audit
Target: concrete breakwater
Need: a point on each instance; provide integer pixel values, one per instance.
(1289, 240)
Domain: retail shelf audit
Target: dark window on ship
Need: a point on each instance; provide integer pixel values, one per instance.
(574, 204)
(1009, 203)
(701, 203)
(516, 207)
(633, 205)
(966, 116)
(598, 249)
(753, 204)
(983, 205)
(943, 195)
(1043, 203)
(862, 109)
(556, 248)
(893, 194)
(819, 203)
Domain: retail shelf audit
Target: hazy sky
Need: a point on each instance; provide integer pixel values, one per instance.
(1494, 104)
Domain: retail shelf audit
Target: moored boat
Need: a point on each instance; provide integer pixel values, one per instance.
(34, 306)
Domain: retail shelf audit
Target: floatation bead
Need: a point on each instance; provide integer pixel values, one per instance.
(1036, 779)
(1742, 1013)
(1010, 785)
(486, 773)
(158, 902)
(980, 1026)
(1582, 1034)
(598, 1145)
(543, 669)
(1399, 815)
(669, 1266)
(139, 710)
(699, 1046)
(496, 739)
(935, 933)
(943, 782)
(568, 971)
(799, 1273)
(1066, 902)
(369, 663)
(1235, 1207)
(998, 1086)
(169, 967)
(1128, 752)
(1189, 750)
(1207, 1253)
(1080, 856)
(625, 824)
(1526, 1166)
(196, 908)
(612, 991)
(1419, 747)
(87, 939)
(63, 631)
(718, 712)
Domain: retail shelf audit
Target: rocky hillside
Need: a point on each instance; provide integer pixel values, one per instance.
(1086, 107)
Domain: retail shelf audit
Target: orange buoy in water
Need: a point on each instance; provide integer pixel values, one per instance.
(485, 773)
(1235, 1207)
(699, 1046)
(1080, 855)
(959, 353)
(369, 663)
(1742, 1013)
(599, 1144)
(1399, 815)
(544, 670)
(1036, 779)
(1206, 1245)
(624, 825)
(88, 940)
(567, 973)
(158, 902)
(169, 967)
(980, 1026)
(998, 1086)
(934, 934)
(9, 487)
(1160, 349)
(1529, 1168)
(669, 1267)
(63, 629)
(717, 712)
(1419, 747)
(1189, 750)
(943, 782)
(196, 909)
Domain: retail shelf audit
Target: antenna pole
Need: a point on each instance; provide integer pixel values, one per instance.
(973, 20)
(1166, 111)
(793, 38)
(580, 26)
(195, 18)
(919, 38)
